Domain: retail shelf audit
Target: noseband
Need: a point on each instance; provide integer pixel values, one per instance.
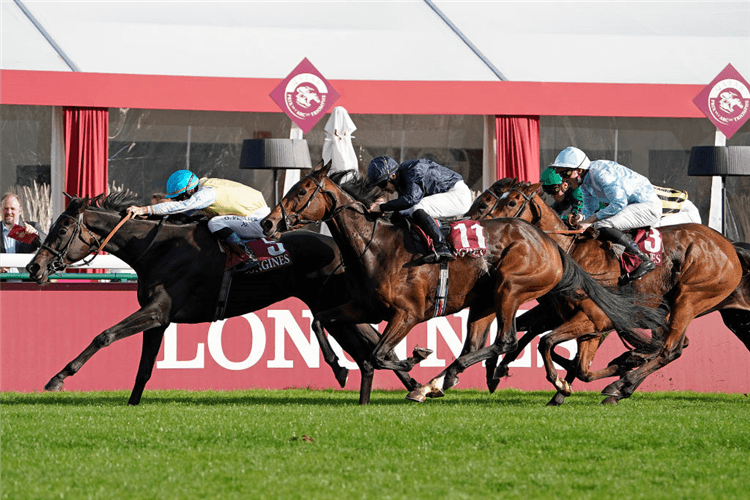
(57, 263)
(290, 222)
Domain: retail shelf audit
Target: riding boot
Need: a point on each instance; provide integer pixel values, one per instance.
(427, 224)
(252, 261)
(631, 248)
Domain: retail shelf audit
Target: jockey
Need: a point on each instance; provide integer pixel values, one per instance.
(234, 210)
(630, 198)
(425, 190)
(566, 196)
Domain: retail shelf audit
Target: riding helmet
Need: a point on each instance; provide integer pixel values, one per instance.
(181, 181)
(380, 169)
(571, 157)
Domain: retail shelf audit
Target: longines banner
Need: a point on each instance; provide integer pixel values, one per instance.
(305, 95)
(43, 329)
(726, 101)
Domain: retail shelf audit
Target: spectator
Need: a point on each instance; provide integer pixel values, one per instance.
(12, 216)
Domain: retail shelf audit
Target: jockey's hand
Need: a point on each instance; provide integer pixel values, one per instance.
(138, 210)
(375, 207)
(574, 219)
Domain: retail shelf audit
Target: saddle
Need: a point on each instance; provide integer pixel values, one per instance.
(461, 235)
(271, 254)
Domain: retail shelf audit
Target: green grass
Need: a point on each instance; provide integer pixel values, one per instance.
(470, 444)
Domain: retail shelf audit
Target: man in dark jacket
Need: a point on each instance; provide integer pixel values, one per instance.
(425, 190)
(11, 212)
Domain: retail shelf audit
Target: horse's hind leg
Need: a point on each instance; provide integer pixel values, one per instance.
(143, 319)
(151, 342)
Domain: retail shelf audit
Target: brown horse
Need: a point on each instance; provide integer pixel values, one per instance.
(388, 283)
(180, 269)
(701, 272)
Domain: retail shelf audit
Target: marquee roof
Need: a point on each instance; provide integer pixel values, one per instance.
(530, 41)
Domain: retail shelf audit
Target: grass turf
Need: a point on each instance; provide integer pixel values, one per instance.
(321, 444)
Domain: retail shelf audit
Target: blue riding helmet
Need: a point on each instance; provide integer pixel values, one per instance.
(181, 181)
(380, 169)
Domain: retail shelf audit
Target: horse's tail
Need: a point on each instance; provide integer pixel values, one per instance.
(738, 319)
(620, 307)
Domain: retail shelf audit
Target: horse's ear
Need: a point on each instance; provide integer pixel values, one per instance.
(321, 172)
(535, 187)
(68, 196)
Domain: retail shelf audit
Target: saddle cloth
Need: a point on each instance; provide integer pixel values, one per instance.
(650, 242)
(271, 254)
(465, 237)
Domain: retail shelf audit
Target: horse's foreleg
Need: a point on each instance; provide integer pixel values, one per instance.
(578, 325)
(150, 349)
(145, 318)
(341, 373)
(476, 336)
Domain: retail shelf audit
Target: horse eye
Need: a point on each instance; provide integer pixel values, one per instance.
(302, 192)
(512, 203)
(62, 231)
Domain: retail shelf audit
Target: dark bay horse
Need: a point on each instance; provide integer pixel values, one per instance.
(701, 272)
(387, 282)
(180, 269)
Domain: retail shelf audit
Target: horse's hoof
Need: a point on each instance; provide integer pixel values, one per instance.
(501, 371)
(450, 382)
(342, 376)
(613, 390)
(563, 387)
(557, 399)
(421, 353)
(611, 400)
(436, 393)
(416, 396)
(492, 384)
(54, 385)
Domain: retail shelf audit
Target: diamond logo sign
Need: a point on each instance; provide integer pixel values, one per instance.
(305, 95)
(726, 101)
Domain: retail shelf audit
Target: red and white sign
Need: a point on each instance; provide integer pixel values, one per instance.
(726, 101)
(42, 329)
(305, 95)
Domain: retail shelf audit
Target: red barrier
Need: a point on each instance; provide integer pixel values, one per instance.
(42, 329)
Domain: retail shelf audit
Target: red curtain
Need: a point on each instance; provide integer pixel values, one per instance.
(86, 149)
(518, 147)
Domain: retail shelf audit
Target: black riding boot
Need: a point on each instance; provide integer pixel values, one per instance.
(631, 248)
(231, 237)
(430, 228)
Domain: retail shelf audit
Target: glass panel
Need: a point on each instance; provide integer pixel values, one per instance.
(658, 148)
(25, 138)
(146, 146)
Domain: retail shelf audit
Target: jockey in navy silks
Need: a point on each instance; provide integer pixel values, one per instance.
(631, 201)
(425, 190)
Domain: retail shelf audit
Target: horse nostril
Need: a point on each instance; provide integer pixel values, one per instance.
(267, 225)
(32, 268)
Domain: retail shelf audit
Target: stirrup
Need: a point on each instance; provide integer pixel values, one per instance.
(645, 267)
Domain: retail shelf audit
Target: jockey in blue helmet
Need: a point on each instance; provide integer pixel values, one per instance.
(234, 210)
(425, 190)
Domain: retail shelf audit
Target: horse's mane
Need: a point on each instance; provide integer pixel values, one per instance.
(357, 186)
(116, 201)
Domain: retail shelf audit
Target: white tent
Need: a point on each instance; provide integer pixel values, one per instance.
(607, 41)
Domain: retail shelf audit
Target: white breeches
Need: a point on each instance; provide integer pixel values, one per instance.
(634, 216)
(453, 203)
(688, 213)
(245, 226)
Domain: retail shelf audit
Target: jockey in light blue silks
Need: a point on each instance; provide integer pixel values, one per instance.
(631, 201)
(234, 209)
(425, 190)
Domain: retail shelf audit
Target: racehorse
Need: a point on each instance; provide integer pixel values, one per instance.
(388, 283)
(701, 272)
(180, 269)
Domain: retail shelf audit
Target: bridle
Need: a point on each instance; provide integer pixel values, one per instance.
(528, 200)
(290, 222)
(57, 263)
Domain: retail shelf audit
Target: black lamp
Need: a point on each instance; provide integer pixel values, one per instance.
(275, 154)
(720, 161)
